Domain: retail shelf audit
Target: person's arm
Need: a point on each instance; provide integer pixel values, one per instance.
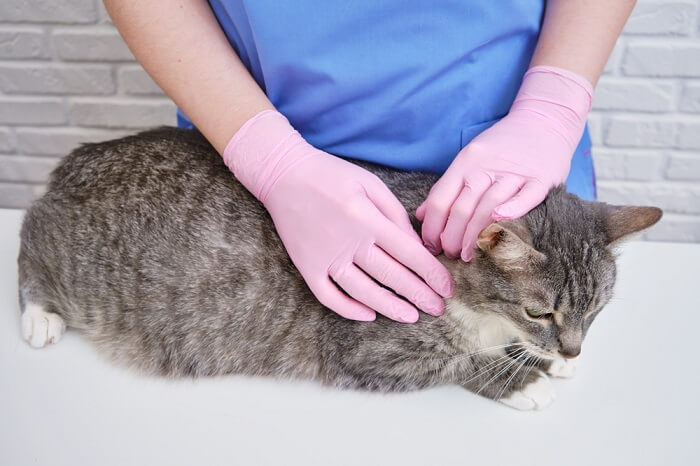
(181, 45)
(339, 223)
(508, 169)
(579, 35)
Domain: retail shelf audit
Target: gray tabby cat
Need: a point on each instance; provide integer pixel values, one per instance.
(151, 248)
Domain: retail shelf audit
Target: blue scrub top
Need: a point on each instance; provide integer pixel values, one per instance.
(402, 83)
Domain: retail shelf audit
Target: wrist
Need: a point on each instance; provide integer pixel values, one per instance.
(556, 96)
(262, 150)
(559, 85)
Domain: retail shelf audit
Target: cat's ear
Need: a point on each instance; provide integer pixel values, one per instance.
(507, 244)
(621, 221)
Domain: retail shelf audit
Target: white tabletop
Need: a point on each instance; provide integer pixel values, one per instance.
(634, 401)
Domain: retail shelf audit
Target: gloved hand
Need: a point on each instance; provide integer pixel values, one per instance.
(508, 169)
(337, 221)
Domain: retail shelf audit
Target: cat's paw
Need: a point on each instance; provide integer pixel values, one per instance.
(40, 328)
(562, 368)
(536, 395)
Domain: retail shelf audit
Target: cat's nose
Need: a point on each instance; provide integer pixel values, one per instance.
(570, 352)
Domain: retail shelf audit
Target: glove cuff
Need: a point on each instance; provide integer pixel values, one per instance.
(561, 82)
(262, 150)
(557, 95)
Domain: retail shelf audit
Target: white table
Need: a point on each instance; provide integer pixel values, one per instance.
(635, 399)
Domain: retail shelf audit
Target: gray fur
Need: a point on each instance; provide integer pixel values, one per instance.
(151, 248)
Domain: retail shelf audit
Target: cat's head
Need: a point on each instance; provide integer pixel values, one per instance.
(542, 279)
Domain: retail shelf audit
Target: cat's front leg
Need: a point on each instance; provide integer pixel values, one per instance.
(518, 384)
(537, 392)
(560, 368)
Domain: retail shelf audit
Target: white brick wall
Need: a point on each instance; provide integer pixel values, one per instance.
(66, 77)
(646, 119)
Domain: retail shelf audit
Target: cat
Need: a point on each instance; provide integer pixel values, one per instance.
(151, 248)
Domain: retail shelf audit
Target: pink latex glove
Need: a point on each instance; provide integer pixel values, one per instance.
(337, 221)
(508, 169)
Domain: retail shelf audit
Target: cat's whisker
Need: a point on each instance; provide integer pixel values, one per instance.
(483, 350)
(535, 364)
(506, 361)
(455, 358)
(508, 366)
(617, 298)
(512, 376)
(527, 359)
(492, 365)
(500, 392)
(460, 358)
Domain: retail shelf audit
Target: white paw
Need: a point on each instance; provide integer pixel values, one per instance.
(562, 368)
(537, 395)
(41, 328)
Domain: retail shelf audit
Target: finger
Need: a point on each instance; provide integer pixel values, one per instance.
(358, 285)
(415, 257)
(527, 199)
(420, 211)
(331, 297)
(382, 267)
(437, 208)
(390, 207)
(503, 189)
(461, 213)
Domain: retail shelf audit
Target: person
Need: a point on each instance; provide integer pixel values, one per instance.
(491, 95)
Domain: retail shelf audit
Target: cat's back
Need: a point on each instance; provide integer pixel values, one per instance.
(162, 189)
(158, 178)
(162, 164)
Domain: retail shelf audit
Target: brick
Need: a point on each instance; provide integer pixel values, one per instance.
(683, 167)
(689, 136)
(627, 165)
(614, 59)
(690, 99)
(122, 113)
(27, 169)
(59, 141)
(666, 18)
(23, 43)
(135, 81)
(102, 14)
(635, 132)
(680, 59)
(56, 79)
(19, 196)
(621, 94)
(80, 45)
(49, 11)
(595, 128)
(31, 111)
(674, 227)
(672, 197)
(7, 143)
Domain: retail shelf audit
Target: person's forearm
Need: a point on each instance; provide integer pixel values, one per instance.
(579, 35)
(181, 45)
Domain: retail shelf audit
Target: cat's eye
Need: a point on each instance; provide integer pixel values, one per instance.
(537, 313)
